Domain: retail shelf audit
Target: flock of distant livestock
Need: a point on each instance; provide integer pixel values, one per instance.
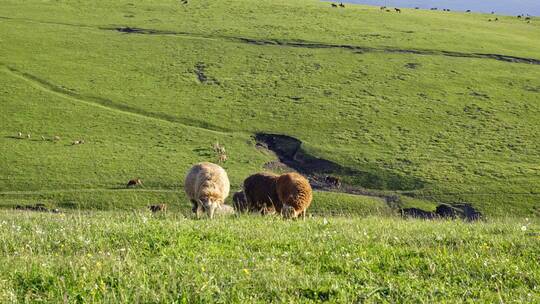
(55, 138)
(207, 186)
(397, 10)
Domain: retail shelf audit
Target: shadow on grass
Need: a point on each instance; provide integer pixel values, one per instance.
(289, 151)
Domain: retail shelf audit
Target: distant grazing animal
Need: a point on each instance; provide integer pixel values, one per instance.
(134, 183)
(158, 208)
(468, 11)
(240, 201)
(434, 8)
(388, 10)
(333, 181)
(519, 16)
(496, 19)
(341, 4)
(78, 142)
(382, 8)
(295, 193)
(56, 138)
(207, 186)
(417, 7)
(489, 20)
(528, 18)
(261, 194)
(397, 10)
(218, 148)
(222, 158)
(20, 134)
(334, 5)
(28, 136)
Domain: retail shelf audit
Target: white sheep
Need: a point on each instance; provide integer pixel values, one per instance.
(207, 186)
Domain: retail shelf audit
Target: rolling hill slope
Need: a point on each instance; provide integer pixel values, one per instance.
(448, 100)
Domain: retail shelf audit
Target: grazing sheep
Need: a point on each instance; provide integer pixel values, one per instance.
(134, 183)
(207, 186)
(20, 135)
(78, 142)
(294, 192)
(158, 208)
(240, 201)
(218, 148)
(28, 136)
(261, 194)
(56, 138)
(222, 158)
(333, 181)
(397, 10)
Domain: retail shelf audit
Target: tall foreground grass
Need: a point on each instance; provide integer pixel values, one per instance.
(140, 258)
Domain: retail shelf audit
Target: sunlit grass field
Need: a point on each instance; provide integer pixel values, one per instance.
(135, 257)
(423, 106)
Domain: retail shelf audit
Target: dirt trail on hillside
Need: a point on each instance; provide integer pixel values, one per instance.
(319, 45)
(292, 43)
(105, 103)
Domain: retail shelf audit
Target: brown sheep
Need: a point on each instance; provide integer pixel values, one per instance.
(239, 201)
(134, 183)
(158, 208)
(295, 193)
(261, 194)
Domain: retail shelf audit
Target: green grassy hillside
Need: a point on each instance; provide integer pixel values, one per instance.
(420, 95)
